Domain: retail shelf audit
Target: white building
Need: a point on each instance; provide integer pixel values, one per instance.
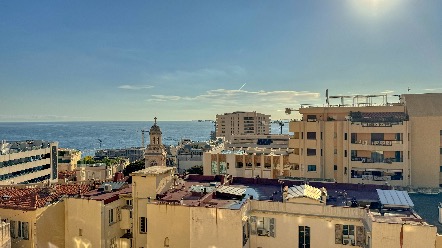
(239, 122)
(28, 161)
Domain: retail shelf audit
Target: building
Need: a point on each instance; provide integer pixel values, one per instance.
(155, 153)
(188, 154)
(99, 172)
(392, 143)
(28, 161)
(132, 153)
(218, 211)
(68, 159)
(265, 156)
(239, 122)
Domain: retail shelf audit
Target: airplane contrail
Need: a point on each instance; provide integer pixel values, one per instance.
(242, 86)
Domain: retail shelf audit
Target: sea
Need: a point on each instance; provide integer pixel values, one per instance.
(91, 136)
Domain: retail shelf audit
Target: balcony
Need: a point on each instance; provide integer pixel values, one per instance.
(380, 160)
(385, 145)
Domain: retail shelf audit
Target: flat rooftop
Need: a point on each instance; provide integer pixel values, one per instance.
(153, 170)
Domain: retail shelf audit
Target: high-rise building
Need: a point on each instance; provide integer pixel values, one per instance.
(392, 143)
(28, 161)
(239, 122)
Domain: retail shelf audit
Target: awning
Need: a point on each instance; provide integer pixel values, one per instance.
(395, 198)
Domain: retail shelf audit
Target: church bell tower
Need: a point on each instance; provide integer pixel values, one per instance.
(155, 154)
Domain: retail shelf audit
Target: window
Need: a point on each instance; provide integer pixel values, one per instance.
(22, 229)
(440, 168)
(311, 117)
(321, 152)
(440, 151)
(321, 135)
(311, 152)
(129, 202)
(349, 235)
(111, 216)
(304, 236)
(143, 225)
(335, 151)
(311, 167)
(345, 153)
(113, 242)
(239, 165)
(345, 136)
(335, 167)
(311, 135)
(80, 232)
(262, 226)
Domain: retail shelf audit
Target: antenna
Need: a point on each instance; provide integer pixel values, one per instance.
(326, 98)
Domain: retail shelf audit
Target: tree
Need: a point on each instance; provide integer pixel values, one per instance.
(132, 167)
(197, 169)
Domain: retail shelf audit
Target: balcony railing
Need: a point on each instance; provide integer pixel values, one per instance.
(378, 142)
(371, 160)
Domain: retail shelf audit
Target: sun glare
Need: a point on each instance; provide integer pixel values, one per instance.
(374, 8)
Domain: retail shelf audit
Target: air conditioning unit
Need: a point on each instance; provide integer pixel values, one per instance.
(107, 188)
(348, 241)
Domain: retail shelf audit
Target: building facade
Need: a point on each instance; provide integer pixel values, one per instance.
(68, 159)
(28, 161)
(396, 144)
(229, 124)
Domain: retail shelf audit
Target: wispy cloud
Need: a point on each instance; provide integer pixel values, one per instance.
(38, 117)
(235, 97)
(387, 92)
(134, 87)
(434, 89)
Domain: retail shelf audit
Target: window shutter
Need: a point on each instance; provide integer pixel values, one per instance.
(253, 225)
(360, 236)
(26, 230)
(338, 234)
(272, 227)
(13, 223)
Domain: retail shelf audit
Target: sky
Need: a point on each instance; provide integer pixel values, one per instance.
(188, 60)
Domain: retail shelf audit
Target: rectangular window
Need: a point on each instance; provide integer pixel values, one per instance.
(321, 152)
(440, 132)
(311, 135)
(335, 167)
(311, 167)
(262, 226)
(440, 168)
(321, 135)
(335, 151)
(311, 117)
(304, 236)
(129, 202)
(345, 136)
(111, 216)
(440, 150)
(23, 230)
(143, 225)
(311, 152)
(345, 153)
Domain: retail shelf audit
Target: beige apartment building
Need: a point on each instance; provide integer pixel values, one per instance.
(397, 144)
(68, 159)
(203, 211)
(29, 161)
(239, 122)
(264, 156)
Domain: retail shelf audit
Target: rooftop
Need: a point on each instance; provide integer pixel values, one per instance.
(153, 170)
(8, 147)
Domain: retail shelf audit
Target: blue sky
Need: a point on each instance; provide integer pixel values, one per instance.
(185, 60)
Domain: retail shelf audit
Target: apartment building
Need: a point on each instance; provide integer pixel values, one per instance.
(30, 161)
(68, 159)
(229, 124)
(219, 211)
(396, 144)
